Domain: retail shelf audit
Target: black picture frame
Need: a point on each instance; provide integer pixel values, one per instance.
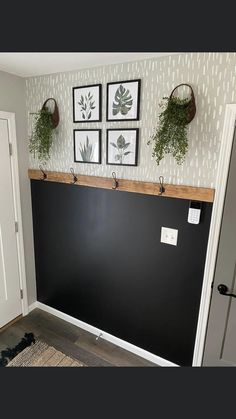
(79, 121)
(99, 144)
(138, 100)
(136, 146)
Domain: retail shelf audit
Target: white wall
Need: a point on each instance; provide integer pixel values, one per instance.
(12, 99)
(213, 78)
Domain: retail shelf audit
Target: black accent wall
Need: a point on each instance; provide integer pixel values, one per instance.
(99, 259)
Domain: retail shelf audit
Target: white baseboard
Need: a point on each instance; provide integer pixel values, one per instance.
(104, 335)
(33, 306)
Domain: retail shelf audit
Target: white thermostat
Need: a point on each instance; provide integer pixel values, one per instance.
(194, 212)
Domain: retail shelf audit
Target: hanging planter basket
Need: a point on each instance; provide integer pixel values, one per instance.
(190, 105)
(55, 113)
(170, 136)
(45, 122)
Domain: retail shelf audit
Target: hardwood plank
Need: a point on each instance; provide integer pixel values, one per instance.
(53, 331)
(104, 350)
(69, 339)
(28, 325)
(149, 188)
(10, 323)
(54, 324)
(110, 352)
(10, 337)
(70, 349)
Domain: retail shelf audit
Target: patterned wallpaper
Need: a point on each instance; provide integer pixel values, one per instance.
(213, 78)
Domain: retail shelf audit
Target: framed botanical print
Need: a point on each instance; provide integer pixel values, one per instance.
(87, 146)
(87, 103)
(122, 146)
(123, 100)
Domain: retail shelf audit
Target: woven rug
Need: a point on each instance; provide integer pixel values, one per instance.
(42, 355)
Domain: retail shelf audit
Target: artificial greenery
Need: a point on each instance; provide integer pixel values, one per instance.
(122, 102)
(171, 134)
(41, 140)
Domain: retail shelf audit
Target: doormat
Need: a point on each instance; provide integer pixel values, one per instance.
(42, 355)
(37, 354)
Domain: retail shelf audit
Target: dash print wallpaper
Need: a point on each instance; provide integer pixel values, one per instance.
(213, 78)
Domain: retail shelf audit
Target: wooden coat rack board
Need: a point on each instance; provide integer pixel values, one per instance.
(149, 188)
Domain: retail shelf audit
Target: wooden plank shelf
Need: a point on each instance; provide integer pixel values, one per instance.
(148, 188)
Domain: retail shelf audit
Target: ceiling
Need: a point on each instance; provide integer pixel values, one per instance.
(35, 64)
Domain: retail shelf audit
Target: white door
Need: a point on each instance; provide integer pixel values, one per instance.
(10, 299)
(220, 345)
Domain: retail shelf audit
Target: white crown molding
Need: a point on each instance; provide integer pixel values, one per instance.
(37, 64)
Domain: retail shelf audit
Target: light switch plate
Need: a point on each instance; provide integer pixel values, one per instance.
(169, 236)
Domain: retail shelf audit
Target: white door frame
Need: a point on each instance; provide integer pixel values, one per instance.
(217, 212)
(10, 117)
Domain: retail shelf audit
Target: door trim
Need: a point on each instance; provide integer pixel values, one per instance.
(10, 117)
(217, 213)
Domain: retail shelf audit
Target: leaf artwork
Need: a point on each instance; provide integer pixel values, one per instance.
(121, 146)
(123, 101)
(86, 151)
(86, 105)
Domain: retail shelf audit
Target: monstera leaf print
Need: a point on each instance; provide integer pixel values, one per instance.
(86, 151)
(123, 101)
(121, 146)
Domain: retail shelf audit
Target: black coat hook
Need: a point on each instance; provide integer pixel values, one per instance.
(44, 174)
(73, 174)
(162, 189)
(115, 182)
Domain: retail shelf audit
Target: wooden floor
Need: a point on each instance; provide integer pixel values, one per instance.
(71, 340)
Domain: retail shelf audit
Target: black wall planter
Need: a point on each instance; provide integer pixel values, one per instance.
(99, 259)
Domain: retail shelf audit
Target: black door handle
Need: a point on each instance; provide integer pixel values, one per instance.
(223, 290)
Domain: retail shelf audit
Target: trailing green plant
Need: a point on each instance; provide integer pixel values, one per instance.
(41, 140)
(171, 133)
(122, 102)
(86, 150)
(121, 146)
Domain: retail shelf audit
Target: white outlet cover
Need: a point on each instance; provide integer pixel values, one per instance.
(169, 236)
